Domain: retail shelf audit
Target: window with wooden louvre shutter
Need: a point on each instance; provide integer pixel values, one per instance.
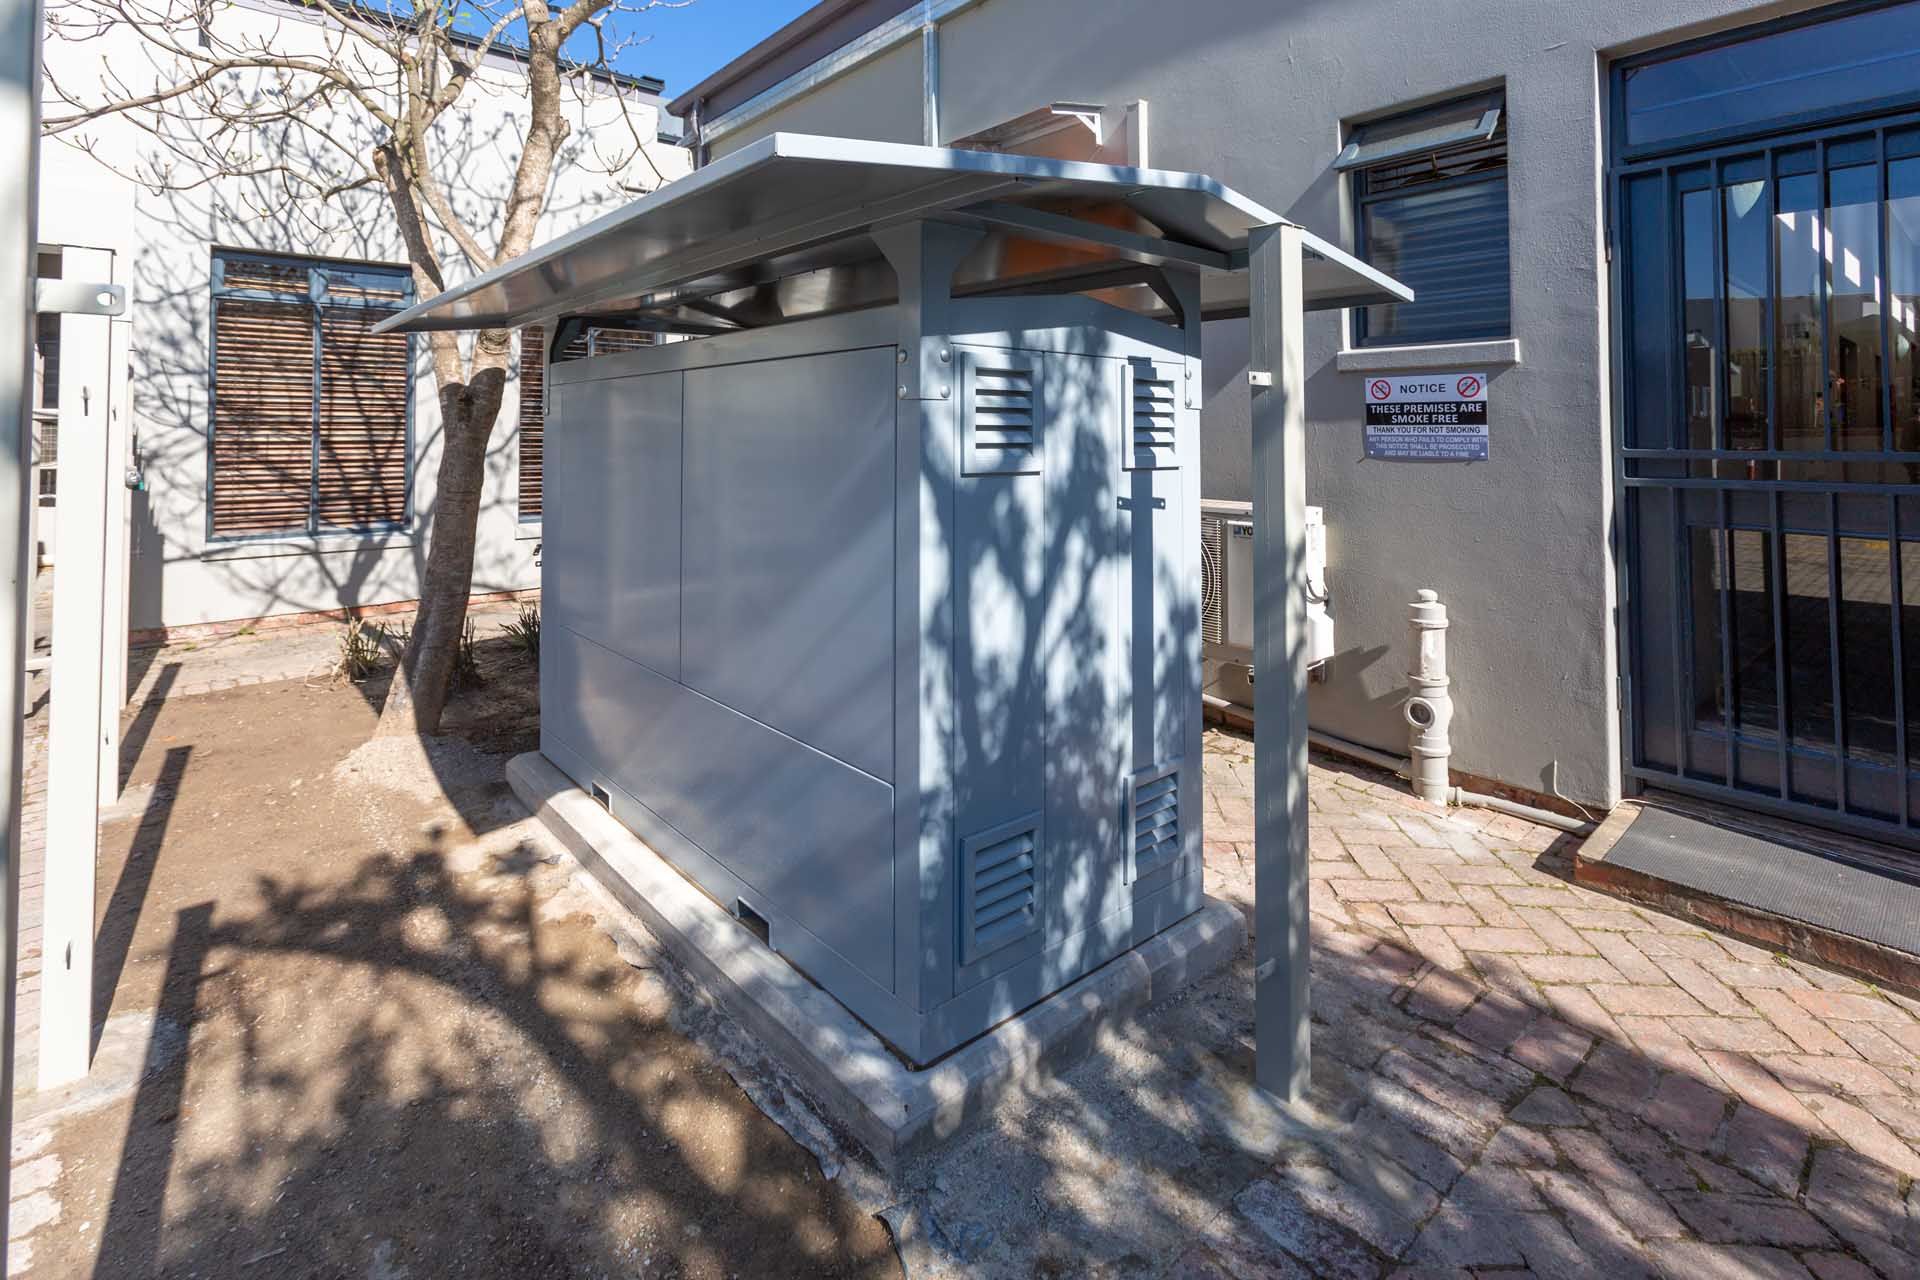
(533, 416)
(533, 395)
(311, 422)
(362, 422)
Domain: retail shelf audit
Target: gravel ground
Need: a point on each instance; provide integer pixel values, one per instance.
(409, 1052)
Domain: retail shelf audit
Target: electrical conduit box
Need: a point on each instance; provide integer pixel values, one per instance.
(915, 681)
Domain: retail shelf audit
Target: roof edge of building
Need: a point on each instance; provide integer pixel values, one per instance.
(788, 37)
(653, 86)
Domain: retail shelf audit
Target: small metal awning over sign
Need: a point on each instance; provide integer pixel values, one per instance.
(778, 231)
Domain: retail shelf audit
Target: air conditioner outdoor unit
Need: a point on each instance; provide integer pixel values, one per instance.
(1226, 614)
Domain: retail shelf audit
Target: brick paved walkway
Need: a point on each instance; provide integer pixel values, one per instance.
(33, 849)
(33, 879)
(1513, 1074)
(1518, 1073)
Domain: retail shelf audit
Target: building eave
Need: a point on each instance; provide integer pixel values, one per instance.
(781, 41)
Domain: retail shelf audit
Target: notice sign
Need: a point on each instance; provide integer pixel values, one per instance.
(1432, 417)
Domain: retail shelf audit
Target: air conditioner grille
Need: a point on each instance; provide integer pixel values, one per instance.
(1213, 570)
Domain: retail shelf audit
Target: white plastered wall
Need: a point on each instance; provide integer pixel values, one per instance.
(164, 240)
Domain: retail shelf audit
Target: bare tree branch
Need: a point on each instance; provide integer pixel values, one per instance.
(329, 113)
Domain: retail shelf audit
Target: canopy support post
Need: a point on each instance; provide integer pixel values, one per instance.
(924, 255)
(1282, 950)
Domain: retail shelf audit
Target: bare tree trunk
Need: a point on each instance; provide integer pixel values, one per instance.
(468, 409)
(470, 390)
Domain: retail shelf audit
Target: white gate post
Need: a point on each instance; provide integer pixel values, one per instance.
(75, 741)
(1282, 1047)
(19, 125)
(119, 505)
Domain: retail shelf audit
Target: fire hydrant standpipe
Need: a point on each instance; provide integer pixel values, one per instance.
(1429, 708)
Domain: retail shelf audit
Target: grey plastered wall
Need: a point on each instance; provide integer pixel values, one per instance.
(882, 102)
(1257, 94)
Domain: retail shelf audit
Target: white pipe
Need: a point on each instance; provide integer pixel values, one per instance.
(1546, 817)
(1396, 765)
(1400, 767)
(1429, 708)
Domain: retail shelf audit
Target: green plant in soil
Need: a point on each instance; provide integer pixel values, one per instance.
(362, 646)
(523, 633)
(466, 662)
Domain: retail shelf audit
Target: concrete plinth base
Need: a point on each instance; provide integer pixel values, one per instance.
(853, 1077)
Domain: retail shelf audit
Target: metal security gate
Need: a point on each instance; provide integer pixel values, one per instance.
(1769, 413)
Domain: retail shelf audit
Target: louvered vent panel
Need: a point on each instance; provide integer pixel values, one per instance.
(533, 417)
(999, 888)
(262, 416)
(1002, 408)
(1156, 820)
(267, 277)
(1213, 579)
(1153, 413)
(604, 342)
(362, 421)
(350, 290)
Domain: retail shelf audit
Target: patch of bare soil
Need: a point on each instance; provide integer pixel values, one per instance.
(410, 1051)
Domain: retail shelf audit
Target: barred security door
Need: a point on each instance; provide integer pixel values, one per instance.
(1770, 472)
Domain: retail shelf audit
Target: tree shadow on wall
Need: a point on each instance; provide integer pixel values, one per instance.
(174, 384)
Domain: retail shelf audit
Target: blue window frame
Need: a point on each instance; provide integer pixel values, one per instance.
(1831, 64)
(1430, 202)
(311, 426)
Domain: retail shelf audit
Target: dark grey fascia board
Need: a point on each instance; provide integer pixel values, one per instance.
(752, 59)
(883, 36)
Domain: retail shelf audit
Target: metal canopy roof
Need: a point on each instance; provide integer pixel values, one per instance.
(778, 231)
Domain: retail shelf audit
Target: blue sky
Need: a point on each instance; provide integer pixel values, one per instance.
(684, 45)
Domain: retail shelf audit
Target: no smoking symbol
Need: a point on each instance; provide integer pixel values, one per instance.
(1380, 389)
(1468, 387)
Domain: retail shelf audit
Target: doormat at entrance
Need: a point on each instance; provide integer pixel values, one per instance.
(1752, 871)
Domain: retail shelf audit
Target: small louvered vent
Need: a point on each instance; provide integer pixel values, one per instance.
(265, 276)
(999, 888)
(1156, 819)
(1151, 416)
(1002, 414)
(1213, 569)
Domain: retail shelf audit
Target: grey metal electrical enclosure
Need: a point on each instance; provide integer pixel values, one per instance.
(876, 609)
(916, 682)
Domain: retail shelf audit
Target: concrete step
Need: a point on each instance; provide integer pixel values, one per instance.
(1763, 884)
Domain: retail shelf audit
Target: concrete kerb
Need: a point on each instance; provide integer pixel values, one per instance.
(132, 1046)
(890, 1110)
(1597, 846)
